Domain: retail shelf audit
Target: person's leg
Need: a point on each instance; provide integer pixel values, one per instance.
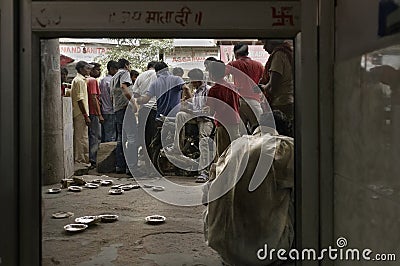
(222, 140)
(103, 133)
(120, 164)
(254, 113)
(287, 109)
(151, 127)
(181, 119)
(205, 129)
(81, 143)
(130, 131)
(108, 128)
(143, 115)
(94, 138)
(77, 148)
(113, 128)
(225, 136)
(150, 133)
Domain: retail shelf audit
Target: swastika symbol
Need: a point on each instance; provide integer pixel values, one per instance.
(282, 16)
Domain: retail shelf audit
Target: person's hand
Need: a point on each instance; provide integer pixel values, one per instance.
(101, 119)
(184, 109)
(206, 110)
(184, 104)
(87, 120)
(259, 87)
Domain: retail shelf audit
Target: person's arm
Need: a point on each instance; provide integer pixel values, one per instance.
(136, 86)
(209, 105)
(125, 91)
(143, 99)
(187, 107)
(276, 72)
(83, 111)
(149, 94)
(274, 83)
(96, 104)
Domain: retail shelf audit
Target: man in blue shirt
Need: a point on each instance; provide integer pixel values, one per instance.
(167, 89)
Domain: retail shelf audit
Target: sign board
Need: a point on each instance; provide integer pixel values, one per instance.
(189, 58)
(280, 16)
(256, 52)
(85, 52)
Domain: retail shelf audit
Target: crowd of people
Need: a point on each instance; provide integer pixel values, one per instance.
(228, 100)
(99, 107)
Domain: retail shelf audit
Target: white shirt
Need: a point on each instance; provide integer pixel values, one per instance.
(142, 84)
(200, 97)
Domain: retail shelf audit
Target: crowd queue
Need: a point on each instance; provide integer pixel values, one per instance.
(236, 108)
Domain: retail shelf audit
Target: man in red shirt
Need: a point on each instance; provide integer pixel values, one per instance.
(246, 75)
(94, 113)
(223, 102)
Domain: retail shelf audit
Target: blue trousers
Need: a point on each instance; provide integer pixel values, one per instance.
(108, 129)
(94, 138)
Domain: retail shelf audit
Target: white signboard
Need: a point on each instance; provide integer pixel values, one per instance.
(85, 52)
(190, 58)
(256, 52)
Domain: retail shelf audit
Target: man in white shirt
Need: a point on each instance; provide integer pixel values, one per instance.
(147, 112)
(194, 109)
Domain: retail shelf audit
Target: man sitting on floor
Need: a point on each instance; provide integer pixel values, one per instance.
(190, 112)
(251, 198)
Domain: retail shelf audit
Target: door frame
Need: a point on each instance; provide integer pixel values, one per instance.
(312, 136)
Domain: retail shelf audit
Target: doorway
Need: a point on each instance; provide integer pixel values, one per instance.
(29, 112)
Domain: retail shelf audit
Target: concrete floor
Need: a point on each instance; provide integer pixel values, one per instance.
(128, 241)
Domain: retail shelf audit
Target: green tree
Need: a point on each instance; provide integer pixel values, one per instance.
(137, 51)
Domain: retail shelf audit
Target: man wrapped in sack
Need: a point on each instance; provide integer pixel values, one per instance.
(251, 195)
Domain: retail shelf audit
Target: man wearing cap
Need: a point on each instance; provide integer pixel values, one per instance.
(80, 109)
